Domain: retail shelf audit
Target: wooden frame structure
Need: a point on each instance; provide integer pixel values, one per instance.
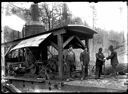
(61, 38)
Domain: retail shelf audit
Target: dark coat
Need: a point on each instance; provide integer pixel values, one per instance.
(99, 58)
(84, 57)
(113, 57)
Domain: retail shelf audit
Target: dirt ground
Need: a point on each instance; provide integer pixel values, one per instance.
(105, 84)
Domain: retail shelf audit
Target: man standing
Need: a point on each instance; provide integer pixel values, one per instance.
(84, 58)
(99, 62)
(114, 60)
(70, 60)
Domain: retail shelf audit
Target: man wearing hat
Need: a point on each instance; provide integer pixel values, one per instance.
(84, 58)
(114, 59)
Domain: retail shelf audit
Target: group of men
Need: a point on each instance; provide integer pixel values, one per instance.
(85, 59)
(100, 60)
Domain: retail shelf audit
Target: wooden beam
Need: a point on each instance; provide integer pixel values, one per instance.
(3, 56)
(60, 55)
(62, 31)
(55, 46)
(50, 52)
(79, 41)
(8, 50)
(86, 43)
(67, 41)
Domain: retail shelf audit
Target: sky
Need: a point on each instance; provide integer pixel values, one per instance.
(108, 15)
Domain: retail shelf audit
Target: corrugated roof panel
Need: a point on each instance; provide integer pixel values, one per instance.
(35, 41)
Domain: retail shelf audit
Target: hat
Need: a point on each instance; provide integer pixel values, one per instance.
(110, 47)
(100, 48)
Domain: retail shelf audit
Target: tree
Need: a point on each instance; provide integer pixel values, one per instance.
(23, 13)
(77, 20)
(66, 15)
(85, 24)
(9, 34)
(55, 14)
(50, 16)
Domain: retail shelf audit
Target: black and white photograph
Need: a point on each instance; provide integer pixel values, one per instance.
(64, 47)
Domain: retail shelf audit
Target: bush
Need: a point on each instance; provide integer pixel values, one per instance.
(121, 69)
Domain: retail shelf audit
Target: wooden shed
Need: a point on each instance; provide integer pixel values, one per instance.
(60, 38)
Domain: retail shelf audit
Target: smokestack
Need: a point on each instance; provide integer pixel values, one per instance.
(35, 12)
(35, 26)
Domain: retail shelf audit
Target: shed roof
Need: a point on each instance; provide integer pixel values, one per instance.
(79, 30)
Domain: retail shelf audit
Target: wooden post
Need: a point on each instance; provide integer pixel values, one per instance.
(3, 55)
(60, 50)
(86, 44)
(60, 55)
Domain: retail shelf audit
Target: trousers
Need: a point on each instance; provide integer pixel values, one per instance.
(70, 67)
(84, 71)
(98, 70)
